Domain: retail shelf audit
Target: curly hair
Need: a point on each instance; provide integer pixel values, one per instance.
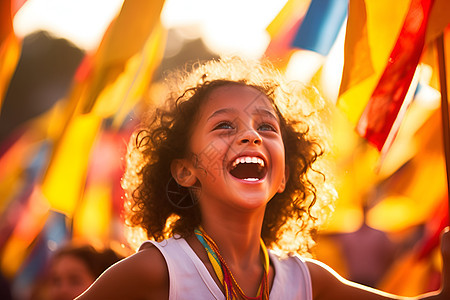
(150, 188)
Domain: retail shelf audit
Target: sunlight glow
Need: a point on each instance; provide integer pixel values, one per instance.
(231, 27)
(83, 21)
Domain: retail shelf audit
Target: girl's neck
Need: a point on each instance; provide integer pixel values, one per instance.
(237, 236)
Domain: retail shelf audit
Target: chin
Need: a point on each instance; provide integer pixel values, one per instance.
(252, 201)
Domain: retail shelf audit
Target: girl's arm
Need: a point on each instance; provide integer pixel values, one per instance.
(143, 275)
(328, 285)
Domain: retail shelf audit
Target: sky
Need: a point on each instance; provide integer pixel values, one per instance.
(227, 27)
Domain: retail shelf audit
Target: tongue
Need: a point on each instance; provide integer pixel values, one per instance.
(246, 171)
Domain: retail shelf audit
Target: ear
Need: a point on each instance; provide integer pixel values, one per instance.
(182, 172)
(284, 181)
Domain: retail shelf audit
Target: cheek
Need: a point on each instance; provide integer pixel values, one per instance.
(211, 156)
(278, 159)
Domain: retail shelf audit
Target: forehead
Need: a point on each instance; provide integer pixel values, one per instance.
(237, 97)
(67, 263)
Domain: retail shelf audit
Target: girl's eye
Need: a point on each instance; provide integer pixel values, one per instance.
(267, 127)
(224, 125)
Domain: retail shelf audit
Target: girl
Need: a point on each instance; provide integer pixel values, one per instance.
(225, 170)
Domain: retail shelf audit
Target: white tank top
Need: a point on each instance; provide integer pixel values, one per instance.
(189, 278)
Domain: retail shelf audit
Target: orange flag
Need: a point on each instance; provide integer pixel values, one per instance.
(9, 44)
(368, 42)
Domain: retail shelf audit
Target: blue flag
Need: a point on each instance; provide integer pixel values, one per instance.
(321, 25)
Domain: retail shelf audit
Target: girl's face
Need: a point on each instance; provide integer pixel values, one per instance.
(239, 156)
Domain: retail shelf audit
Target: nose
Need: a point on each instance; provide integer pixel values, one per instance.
(250, 137)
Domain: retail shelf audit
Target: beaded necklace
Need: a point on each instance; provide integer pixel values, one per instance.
(232, 289)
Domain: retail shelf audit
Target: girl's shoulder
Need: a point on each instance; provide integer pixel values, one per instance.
(143, 275)
(151, 263)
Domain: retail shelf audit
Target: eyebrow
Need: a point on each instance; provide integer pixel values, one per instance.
(222, 111)
(266, 112)
(258, 111)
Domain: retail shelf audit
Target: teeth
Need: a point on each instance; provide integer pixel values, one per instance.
(261, 162)
(251, 179)
(248, 160)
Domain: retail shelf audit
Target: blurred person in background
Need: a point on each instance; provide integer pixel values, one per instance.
(71, 270)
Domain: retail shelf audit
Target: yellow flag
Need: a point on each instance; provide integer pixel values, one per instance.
(125, 39)
(120, 96)
(65, 176)
(93, 219)
(118, 72)
(287, 16)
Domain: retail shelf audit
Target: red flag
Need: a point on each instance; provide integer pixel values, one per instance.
(378, 121)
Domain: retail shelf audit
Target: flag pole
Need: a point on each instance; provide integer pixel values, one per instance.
(444, 108)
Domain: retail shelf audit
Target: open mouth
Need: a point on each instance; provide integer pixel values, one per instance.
(249, 168)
